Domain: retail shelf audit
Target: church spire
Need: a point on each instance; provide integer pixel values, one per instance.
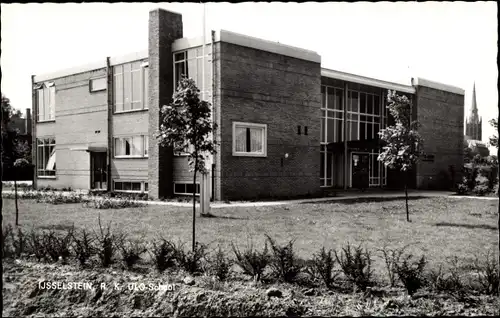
(473, 109)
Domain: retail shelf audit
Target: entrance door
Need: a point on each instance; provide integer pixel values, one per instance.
(98, 171)
(360, 174)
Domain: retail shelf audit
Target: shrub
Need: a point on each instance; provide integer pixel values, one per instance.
(36, 243)
(19, 242)
(106, 245)
(252, 261)
(163, 254)
(191, 261)
(96, 202)
(488, 274)
(220, 265)
(446, 282)
(462, 188)
(481, 187)
(57, 246)
(284, 262)
(83, 246)
(392, 257)
(410, 273)
(131, 251)
(356, 266)
(323, 265)
(60, 198)
(7, 248)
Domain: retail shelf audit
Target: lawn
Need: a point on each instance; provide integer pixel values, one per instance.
(440, 227)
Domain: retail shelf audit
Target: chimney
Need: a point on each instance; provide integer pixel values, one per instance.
(28, 122)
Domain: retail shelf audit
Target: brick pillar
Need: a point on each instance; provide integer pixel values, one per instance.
(164, 28)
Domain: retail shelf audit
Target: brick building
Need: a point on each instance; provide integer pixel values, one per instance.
(287, 126)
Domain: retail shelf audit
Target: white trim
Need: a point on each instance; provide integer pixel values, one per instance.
(265, 45)
(187, 183)
(130, 57)
(71, 71)
(250, 154)
(436, 85)
(366, 81)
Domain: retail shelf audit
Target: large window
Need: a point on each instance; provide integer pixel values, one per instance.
(131, 146)
(46, 157)
(332, 129)
(130, 87)
(190, 63)
(186, 188)
(46, 102)
(249, 139)
(363, 115)
(130, 186)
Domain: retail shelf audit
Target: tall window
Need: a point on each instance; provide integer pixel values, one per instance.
(363, 115)
(249, 139)
(190, 63)
(46, 157)
(46, 102)
(133, 146)
(332, 129)
(130, 87)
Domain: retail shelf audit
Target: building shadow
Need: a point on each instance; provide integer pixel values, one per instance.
(468, 226)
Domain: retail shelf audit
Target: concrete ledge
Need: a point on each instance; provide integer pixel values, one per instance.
(436, 85)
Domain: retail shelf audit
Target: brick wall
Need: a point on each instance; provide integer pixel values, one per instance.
(81, 119)
(441, 115)
(164, 28)
(260, 87)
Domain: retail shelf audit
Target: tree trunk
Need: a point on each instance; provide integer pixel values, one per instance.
(15, 199)
(406, 196)
(194, 202)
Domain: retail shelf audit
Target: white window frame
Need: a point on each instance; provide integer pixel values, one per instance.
(264, 141)
(91, 86)
(187, 183)
(45, 144)
(143, 91)
(142, 182)
(144, 151)
(46, 89)
(204, 94)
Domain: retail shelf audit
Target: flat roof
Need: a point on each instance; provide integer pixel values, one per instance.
(437, 85)
(348, 77)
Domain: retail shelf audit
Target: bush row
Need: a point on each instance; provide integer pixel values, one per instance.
(350, 267)
(88, 200)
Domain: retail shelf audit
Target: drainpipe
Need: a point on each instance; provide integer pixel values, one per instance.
(33, 131)
(213, 112)
(345, 135)
(109, 90)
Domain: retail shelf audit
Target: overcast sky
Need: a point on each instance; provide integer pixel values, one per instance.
(453, 43)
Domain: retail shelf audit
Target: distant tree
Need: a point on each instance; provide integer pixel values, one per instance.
(494, 138)
(186, 124)
(403, 144)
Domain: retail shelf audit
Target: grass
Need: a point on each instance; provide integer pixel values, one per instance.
(440, 227)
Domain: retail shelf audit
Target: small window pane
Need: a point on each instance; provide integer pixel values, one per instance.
(369, 105)
(146, 186)
(136, 90)
(127, 186)
(339, 98)
(331, 98)
(127, 146)
(146, 87)
(241, 139)
(362, 131)
(256, 136)
(146, 145)
(323, 96)
(323, 120)
(331, 130)
(179, 56)
(354, 102)
(376, 106)
(118, 186)
(136, 186)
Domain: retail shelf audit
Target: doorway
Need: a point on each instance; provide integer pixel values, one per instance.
(98, 171)
(360, 166)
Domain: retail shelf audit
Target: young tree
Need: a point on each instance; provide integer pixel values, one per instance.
(186, 124)
(403, 144)
(16, 153)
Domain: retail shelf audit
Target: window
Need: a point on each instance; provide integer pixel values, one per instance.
(98, 84)
(130, 186)
(364, 120)
(46, 157)
(131, 147)
(332, 119)
(46, 102)
(249, 139)
(130, 86)
(190, 63)
(185, 188)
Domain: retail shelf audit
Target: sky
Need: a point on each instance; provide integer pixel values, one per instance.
(449, 42)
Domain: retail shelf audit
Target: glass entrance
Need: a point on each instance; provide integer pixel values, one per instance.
(98, 171)
(360, 170)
